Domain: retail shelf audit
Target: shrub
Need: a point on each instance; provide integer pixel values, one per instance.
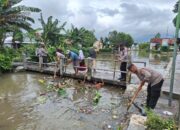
(5, 62)
(6, 56)
(155, 122)
(144, 46)
(106, 50)
(164, 48)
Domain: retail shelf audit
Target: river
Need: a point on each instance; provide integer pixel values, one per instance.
(25, 103)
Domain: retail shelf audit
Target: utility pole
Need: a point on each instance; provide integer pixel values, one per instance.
(174, 56)
(167, 32)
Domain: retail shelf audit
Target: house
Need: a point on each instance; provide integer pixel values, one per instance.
(155, 43)
(8, 42)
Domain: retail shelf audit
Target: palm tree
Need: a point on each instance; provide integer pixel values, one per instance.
(51, 30)
(14, 18)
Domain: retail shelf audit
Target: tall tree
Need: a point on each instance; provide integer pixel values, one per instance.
(116, 38)
(14, 18)
(51, 30)
(81, 36)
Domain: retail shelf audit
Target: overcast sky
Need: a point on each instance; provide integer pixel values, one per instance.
(140, 18)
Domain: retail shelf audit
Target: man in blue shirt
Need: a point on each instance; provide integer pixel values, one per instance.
(75, 59)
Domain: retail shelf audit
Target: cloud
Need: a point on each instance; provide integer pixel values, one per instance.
(109, 12)
(141, 18)
(146, 20)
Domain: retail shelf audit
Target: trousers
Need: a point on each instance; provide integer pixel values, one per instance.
(123, 67)
(153, 94)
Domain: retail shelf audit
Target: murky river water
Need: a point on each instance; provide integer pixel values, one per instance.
(25, 103)
(21, 110)
(157, 62)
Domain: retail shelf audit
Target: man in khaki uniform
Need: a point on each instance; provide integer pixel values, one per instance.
(155, 81)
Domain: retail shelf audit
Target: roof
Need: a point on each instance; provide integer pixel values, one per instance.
(160, 40)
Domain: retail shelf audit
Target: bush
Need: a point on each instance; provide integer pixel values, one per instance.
(144, 46)
(164, 48)
(6, 56)
(155, 122)
(86, 51)
(106, 50)
(5, 63)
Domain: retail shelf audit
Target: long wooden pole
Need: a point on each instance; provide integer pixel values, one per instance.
(134, 97)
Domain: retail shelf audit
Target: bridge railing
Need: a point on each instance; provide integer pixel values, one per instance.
(89, 71)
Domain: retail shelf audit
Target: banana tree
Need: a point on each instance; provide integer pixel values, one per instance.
(80, 36)
(51, 30)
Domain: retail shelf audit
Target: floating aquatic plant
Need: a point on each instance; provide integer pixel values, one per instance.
(96, 98)
(62, 92)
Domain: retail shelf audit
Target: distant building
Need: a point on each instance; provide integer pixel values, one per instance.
(155, 43)
(8, 42)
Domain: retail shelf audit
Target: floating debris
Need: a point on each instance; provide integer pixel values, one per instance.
(41, 81)
(109, 126)
(96, 98)
(62, 92)
(167, 113)
(41, 99)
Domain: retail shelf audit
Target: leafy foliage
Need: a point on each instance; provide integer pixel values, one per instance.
(5, 62)
(14, 17)
(51, 30)
(155, 122)
(81, 36)
(144, 46)
(164, 48)
(6, 57)
(116, 38)
(158, 35)
(175, 10)
(96, 98)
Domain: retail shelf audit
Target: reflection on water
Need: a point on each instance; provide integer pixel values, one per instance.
(153, 60)
(20, 110)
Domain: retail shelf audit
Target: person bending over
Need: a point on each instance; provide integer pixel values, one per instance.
(155, 81)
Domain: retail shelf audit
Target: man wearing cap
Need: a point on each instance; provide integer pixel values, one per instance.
(155, 81)
(123, 57)
(74, 58)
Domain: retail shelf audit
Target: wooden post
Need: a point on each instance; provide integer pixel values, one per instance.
(24, 61)
(128, 76)
(40, 62)
(64, 63)
(89, 67)
(61, 66)
(114, 70)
